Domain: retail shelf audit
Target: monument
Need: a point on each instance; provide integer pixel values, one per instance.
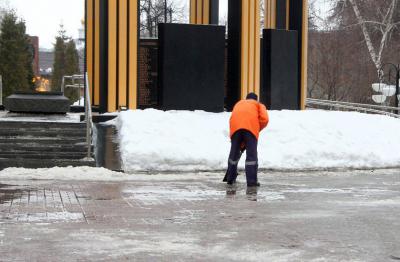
(37, 102)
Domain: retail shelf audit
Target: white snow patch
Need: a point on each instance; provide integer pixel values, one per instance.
(307, 215)
(123, 243)
(153, 140)
(370, 202)
(160, 194)
(270, 196)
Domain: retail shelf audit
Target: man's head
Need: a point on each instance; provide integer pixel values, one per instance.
(252, 96)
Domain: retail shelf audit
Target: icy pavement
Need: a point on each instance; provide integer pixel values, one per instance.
(342, 216)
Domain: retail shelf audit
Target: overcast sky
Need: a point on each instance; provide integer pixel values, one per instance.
(43, 17)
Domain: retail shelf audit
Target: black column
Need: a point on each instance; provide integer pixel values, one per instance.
(103, 55)
(296, 23)
(281, 14)
(234, 48)
(214, 12)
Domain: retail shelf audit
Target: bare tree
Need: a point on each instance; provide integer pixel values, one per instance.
(152, 12)
(376, 26)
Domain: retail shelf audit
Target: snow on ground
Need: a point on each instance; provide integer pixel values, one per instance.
(153, 140)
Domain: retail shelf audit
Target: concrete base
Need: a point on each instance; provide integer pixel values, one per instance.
(37, 102)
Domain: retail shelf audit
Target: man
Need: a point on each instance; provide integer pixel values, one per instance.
(248, 118)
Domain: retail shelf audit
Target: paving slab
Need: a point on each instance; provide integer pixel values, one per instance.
(329, 216)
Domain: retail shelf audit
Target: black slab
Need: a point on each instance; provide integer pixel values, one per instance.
(37, 102)
(191, 64)
(280, 89)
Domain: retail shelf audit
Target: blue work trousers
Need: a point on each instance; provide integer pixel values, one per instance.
(246, 138)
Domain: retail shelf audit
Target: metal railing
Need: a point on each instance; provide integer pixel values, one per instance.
(379, 107)
(88, 117)
(373, 109)
(77, 82)
(1, 90)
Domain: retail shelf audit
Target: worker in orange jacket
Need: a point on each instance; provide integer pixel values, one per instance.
(248, 118)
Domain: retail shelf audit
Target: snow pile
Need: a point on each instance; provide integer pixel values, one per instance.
(153, 140)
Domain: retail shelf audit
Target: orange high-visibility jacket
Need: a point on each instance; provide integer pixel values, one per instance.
(250, 115)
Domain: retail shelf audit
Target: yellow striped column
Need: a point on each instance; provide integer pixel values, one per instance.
(243, 49)
(204, 12)
(276, 14)
(89, 42)
(250, 47)
(112, 53)
(200, 12)
(270, 14)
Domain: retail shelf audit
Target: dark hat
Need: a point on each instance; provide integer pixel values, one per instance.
(252, 96)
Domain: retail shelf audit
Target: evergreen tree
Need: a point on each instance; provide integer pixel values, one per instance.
(71, 68)
(58, 65)
(16, 55)
(59, 60)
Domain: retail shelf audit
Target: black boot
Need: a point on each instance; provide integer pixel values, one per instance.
(256, 184)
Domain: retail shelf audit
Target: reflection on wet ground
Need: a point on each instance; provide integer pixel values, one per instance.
(329, 217)
(10, 192)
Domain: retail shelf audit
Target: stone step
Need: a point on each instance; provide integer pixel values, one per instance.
(43, 140)
(29, 147)
(44, 129)
(42, 124)
(44, 163)
(42, 155)
(5, 133)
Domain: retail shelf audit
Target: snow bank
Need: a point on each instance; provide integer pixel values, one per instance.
(153, 140)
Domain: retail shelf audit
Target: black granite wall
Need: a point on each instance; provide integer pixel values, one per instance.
(280, 85)
(191, 67)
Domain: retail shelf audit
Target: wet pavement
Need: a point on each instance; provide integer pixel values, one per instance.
(338, 216)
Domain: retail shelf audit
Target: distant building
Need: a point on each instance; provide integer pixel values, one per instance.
(46, 60)
(35, 51)
(2, 14)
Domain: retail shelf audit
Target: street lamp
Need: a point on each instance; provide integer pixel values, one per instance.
(389, 90)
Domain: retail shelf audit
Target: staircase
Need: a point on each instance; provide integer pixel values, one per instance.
(43, 144)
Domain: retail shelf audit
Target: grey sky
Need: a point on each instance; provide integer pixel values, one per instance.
(43, 17)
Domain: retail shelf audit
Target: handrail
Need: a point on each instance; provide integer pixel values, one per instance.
(88, 117)
(73, 77)
(357, 104)
(334, 104)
